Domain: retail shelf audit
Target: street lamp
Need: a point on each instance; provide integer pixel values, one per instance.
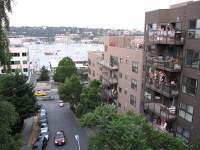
(77, 138)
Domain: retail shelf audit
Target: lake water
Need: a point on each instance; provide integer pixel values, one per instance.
(77, 52)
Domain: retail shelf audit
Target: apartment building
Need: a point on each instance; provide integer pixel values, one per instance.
(19, 60)
(171, 77)
(119, 68)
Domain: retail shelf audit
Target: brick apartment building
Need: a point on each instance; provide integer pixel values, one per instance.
(172, 77)
(119, 68)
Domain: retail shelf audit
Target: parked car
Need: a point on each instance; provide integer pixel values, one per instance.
(42, 119)
(44, 133)
(59, 138)
(43, 110)
(40, 93)
(61, 103)
(40, 143)
(48, 98)
(44, 126)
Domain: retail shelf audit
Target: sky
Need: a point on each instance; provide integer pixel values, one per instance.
(112, 14)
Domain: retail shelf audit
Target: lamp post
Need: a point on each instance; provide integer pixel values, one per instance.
(77, 138)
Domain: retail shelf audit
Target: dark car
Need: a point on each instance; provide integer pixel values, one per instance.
(48, 98)
(40, 143)
(42, 119)
(59, 138)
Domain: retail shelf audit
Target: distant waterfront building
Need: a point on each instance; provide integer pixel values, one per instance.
(171, 87)
(119, 68)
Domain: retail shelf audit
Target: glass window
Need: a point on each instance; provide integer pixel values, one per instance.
(189, 86)
(198, 23)
(135, 67)
(186, 111)
(23, 54)
(134, 84)
(133, 100)
(182, 133)
(24, 61)
(192, 24)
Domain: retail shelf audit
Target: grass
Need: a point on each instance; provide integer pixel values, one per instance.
(34, 132)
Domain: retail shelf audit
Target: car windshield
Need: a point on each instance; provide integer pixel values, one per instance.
(43, 133)
(59, 136)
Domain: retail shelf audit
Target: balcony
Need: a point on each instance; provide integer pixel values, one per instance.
(110, 80)
(166, 63)
(113, 66)
(167, 37)
(161, 110)
(168, 90)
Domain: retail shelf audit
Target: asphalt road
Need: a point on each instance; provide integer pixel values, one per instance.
(62, 118)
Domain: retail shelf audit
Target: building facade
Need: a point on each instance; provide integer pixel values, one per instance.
(119, 68)
(171, 77)
(19, 60)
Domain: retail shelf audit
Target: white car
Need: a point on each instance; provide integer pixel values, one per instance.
(44, 127)
(61, 103)
(44, 133)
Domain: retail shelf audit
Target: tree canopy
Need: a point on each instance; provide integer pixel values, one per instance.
(14, 89)
(90, 98)
(44, 76)
(70, 91)
(127, 131)
(66, 68)
(8, 117)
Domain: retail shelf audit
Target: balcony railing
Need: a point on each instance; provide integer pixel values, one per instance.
(161, 110)
(110, 65)
(167, 37)
(173, 65)
(169, 90)
(110, 80)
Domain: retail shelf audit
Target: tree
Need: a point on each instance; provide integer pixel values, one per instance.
(125, 131)
(44, 74)
(70, 91)
(5, 55)
(66, 68)
(14, 89)
(90, 98)
(8, 117)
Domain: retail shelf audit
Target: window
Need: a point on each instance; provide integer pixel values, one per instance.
(125, 92)
(93, 73)
(189, 86)
(119, 105)
(133, 100)
(134, 84)
(15, 62)
(186, 111)
(23, 54)
(120, 75)
(89, 61)
(121, 60)
(120, 89)
(15, 54)
(89, 70)
(192, 59)
(126, 61)
(126, 76)
(24, 61)
(194, 29)
(25, 70)
(182, 133)
(135, 67)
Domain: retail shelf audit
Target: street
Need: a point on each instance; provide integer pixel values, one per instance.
(62, 118)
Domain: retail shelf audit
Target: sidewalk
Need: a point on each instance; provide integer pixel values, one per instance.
(26, 132)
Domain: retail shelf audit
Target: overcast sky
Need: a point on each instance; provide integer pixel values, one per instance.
(114, 14)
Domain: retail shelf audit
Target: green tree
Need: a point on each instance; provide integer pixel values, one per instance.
(8, 117)
(126, 131)
(90, 98)
(14, 89)
(70, 91)
(5, 55)
(66, 68)
(44, 74)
